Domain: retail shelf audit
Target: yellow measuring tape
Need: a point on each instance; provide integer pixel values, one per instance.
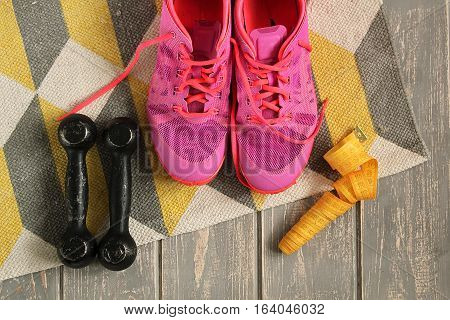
(359, 182)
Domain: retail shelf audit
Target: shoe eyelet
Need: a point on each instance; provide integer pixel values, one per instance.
(176, 90)
(179, 73)
(173, 34)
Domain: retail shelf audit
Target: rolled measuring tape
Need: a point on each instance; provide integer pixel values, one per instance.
(359, 173)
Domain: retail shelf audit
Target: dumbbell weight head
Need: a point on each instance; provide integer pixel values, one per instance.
(77, 247)
(117, 249)
(121, 136)
(77, 132)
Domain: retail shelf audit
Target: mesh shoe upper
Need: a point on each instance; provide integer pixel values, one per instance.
(189, 136)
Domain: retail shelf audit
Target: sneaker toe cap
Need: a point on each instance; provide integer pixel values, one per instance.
(264, 179)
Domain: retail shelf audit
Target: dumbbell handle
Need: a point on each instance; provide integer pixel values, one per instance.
(77, 189)
(120, 192)
(77, 247)
(117, 249)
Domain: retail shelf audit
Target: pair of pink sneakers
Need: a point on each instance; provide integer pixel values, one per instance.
(273, 115)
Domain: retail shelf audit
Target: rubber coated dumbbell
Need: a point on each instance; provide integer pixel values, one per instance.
(77, 134)
(117, 249)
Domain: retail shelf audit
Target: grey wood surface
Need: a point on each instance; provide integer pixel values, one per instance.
(139, 282)
(395, 248)
(43, 285)
(216, 263)
(325, 268)
(406, 233)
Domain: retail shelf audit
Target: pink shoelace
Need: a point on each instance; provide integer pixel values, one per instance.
(262, 71)
(199, 84)
(186, 57)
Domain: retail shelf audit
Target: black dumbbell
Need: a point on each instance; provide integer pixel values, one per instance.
(117, 249)
(77, 134)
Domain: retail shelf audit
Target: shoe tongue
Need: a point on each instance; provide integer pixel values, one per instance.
(205, 35)
(268, 42)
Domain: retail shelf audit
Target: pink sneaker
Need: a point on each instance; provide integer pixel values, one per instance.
(276, 120)
(188, 104)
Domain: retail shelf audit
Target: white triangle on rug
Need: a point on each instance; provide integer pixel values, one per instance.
(77, 72)
(30, 254)
(351, 20)
(143, 234)
(14, 103)
(210, 207)
(392, 158)
(309, 184)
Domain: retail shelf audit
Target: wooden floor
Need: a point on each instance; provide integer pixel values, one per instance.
(395, 248)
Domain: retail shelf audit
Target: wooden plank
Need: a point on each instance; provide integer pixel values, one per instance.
(38, 286)
(215, 263)
(325, 268)
(141, 281)
(406, 233)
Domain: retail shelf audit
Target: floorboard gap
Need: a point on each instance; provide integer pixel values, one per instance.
(61, 282)
(160, 270)
(359, 213)
(259, 253)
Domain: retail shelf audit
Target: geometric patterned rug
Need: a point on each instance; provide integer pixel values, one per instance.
(54, 53)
